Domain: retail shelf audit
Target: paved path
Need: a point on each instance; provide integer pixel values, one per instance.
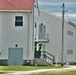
(70, 68)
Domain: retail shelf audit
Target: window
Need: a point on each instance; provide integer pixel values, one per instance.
(35, 25)
(69, 33)
(69, 51)
(42, 32)
(41, 28)
(19, 21)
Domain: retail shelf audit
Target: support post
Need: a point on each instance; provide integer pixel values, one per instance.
(62, 52)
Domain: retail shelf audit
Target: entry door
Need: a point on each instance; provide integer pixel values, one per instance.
(15, 56)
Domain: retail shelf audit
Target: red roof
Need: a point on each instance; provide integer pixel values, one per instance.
(16, 4)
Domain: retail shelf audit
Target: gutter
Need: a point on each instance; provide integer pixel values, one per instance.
(28, 39)
(16, 11)
(33, 42)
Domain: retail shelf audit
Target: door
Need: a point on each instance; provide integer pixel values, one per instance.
(38, 49)
(15, 56)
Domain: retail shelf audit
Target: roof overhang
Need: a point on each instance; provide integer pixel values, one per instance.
(42, 41)
(20, 11)
(17, 4)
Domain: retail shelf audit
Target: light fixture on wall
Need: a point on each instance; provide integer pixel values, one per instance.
(41, 23)
(0, 53)
(16, 45)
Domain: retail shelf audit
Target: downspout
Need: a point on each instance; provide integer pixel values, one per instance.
(28, 40)
(33, 42)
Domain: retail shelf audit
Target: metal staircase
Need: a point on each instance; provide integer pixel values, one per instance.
(45, 59)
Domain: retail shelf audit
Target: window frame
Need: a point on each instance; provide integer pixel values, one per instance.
(69, 32)
(69, 51)
(18, 20)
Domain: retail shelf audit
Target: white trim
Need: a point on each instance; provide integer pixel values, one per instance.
(15, 10)
(44, 41)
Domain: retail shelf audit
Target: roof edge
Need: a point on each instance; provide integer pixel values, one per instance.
(57, 17)
(15, 10)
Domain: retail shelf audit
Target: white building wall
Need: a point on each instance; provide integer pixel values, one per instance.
(12, 35)
(0, 34)
(69, 43)
(31, 37)
(36, 14)
(54, 29)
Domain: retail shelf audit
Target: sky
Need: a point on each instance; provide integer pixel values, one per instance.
(54, 7)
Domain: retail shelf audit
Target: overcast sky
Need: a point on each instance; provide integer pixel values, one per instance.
(53, 6)
(67, 2)
(58, 0)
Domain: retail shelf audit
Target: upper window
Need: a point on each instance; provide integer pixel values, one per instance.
(69, 51)
(70, 33)
(42, 32)
(19, 21)
(35, 25)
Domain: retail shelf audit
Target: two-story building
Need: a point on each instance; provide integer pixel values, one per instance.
(16, 31)
(31, 36)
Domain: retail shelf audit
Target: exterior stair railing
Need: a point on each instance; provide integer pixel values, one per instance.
(48, 56)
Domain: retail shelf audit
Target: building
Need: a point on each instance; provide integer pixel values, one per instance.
(16, 32)
(31, 36)
(53, 33)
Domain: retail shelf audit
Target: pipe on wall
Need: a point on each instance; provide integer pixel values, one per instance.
(28, 39)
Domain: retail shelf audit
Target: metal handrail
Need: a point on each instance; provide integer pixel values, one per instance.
(51, 57)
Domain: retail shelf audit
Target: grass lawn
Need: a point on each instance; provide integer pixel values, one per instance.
(25, 68)
(3, 73)
(62, 73)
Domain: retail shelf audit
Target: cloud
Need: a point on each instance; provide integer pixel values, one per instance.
(49, 4)
(57, 4)
(71, 3)
(70, 15)
(54, 7)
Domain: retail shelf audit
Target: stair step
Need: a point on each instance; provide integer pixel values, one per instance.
(41, 62)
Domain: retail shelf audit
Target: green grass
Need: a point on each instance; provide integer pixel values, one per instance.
(62, 73)
(25, 68)
(3, 72)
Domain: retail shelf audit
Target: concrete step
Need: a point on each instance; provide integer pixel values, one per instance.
(39, 61)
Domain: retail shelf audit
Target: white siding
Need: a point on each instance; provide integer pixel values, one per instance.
(69, 43)
(12, 35)
(54, 29)
(0, 34)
